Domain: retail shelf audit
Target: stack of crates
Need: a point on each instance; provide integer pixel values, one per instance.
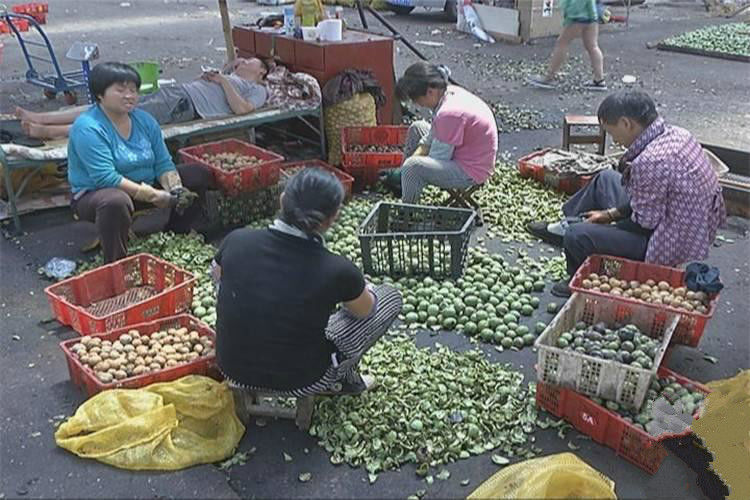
(571, 384)
(37, 10)
(142, 293)
(246, 193)
(365, 166)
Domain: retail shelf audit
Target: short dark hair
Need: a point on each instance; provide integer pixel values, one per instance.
(108, 73)
(266, 66)
(311, 196)
(631, 104)
(418, 78)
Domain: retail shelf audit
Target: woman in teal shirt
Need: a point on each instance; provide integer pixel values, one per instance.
(117, 162)
(580, 20)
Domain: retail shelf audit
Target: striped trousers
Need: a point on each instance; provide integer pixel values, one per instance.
(420, 171)
(352, 338)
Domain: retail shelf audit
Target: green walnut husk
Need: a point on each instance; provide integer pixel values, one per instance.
(430, 408)
(509, 201)
(723, 39)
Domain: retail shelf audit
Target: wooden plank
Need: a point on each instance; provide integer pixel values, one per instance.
(227, 28)
(701, 52)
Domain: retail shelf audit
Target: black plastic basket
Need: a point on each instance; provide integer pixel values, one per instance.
(406, 240)
(230, 212)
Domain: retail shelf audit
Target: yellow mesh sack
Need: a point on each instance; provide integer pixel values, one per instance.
(724, 428)
(359, 111)
(166, 426)
(563, 475)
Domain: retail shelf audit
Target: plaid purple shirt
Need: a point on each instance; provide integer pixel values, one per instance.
(673, 190)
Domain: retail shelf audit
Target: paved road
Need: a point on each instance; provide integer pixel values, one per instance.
(184, 34)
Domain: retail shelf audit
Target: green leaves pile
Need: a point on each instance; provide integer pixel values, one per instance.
(430, 408)
(509, 201)
(724, 39)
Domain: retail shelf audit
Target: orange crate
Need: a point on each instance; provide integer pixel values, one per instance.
(132, 290)
(20, 25)
(346, 180)
(607, 427)
(31, 8)
(244, 179)
(84, 377)
(365, 167)
(691, 325)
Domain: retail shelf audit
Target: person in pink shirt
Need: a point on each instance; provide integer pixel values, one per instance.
(458, 150)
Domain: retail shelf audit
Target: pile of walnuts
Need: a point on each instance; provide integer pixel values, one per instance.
(133, 354)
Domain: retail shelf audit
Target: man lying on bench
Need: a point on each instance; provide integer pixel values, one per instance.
(213, 95)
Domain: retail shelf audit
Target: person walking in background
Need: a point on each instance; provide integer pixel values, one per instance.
(580, 20)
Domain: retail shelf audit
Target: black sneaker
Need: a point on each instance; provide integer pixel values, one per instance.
(561, 290)
(600, 85)
(539, 229)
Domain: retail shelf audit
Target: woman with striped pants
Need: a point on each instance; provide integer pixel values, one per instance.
(278, 287)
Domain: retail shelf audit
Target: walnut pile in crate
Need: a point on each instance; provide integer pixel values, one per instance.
(231, 161)
(133, 354)
(376, 148)
(649, 291)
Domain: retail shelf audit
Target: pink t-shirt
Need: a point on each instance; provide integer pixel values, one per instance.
(468, 124)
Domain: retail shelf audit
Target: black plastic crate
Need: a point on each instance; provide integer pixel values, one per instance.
(405, 240)
(229, 212)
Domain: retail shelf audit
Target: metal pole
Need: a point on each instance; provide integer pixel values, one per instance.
(399, 36)
(627, 17)
(362, 18)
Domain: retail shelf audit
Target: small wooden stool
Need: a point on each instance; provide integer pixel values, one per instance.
(463, 198)
(250, 403)
(583, 121)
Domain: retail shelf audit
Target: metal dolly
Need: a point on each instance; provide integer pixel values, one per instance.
(59, 81)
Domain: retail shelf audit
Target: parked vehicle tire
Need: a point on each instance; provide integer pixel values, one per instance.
(451, 9)
(400, 10)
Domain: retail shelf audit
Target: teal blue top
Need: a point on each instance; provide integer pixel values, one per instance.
(581, 11)
(99, 157)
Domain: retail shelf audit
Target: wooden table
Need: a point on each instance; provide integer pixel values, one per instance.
(324, 60)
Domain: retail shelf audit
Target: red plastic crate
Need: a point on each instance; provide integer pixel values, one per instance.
(244, 179)
(691, 326)
(31, 8)
(568, 184)
(84, 377)
(70, 298)
(365, 167)
(346, 180)
(607, 427)
(20, 24)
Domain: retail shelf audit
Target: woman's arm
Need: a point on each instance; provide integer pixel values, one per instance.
(96, 155)
(362, 306)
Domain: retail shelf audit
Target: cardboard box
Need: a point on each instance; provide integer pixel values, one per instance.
(540, 18)
(498, 22)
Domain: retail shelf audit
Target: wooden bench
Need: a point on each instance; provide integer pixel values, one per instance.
(251, 404)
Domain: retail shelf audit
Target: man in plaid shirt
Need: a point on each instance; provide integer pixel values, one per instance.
(663, 205)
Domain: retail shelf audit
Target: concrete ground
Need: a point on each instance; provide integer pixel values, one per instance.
(706, 95)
